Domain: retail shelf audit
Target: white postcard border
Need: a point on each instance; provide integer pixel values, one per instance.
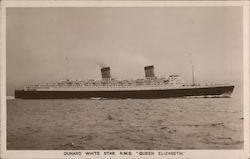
(188, 154)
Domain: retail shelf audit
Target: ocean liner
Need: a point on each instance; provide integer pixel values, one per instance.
(110, 88)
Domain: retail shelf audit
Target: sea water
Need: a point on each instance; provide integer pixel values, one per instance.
(148, 124)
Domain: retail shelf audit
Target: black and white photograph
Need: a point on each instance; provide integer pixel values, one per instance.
(125, 78)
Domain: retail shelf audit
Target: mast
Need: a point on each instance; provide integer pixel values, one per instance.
(193, 81)
(67, 67)
(193, 75)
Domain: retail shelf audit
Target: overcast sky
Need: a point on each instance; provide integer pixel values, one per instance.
(50, 44)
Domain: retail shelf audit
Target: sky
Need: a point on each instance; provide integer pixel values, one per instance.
(50, 44)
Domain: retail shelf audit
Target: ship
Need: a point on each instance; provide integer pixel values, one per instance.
(149, 87)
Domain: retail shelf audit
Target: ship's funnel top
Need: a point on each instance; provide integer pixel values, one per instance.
(149, 72)
(106, 75)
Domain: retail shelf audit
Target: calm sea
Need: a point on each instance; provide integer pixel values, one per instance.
(181, 123)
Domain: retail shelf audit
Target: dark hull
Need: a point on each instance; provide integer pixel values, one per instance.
(140, 94)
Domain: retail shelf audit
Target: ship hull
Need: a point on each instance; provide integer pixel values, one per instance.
(215, 91)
